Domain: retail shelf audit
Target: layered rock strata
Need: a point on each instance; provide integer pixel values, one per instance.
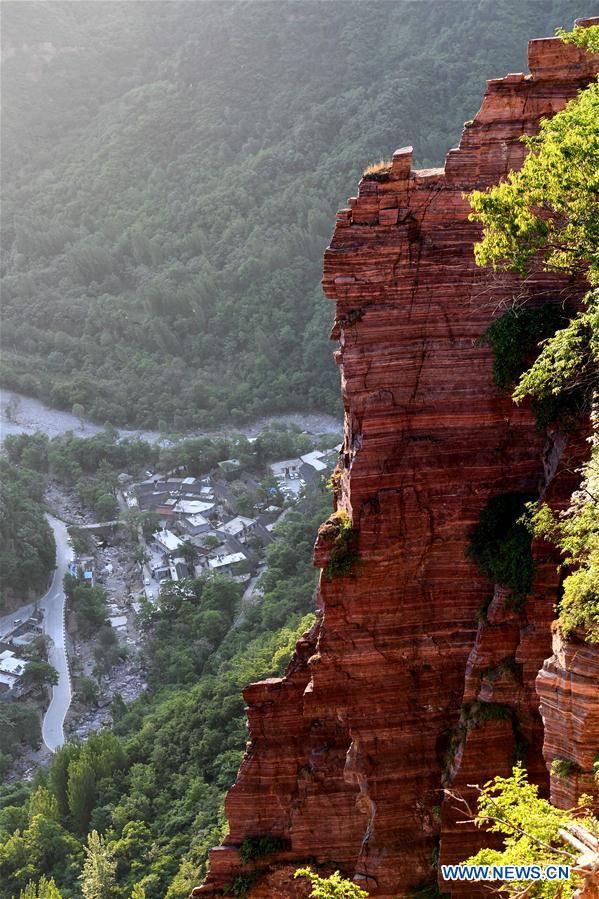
(381, 705)
(568, 686)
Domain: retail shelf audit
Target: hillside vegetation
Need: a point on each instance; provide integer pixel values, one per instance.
(171, 172)
(27, 547)
(153, 786)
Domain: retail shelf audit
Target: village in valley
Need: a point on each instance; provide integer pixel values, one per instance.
(205, 523)
(168, 526)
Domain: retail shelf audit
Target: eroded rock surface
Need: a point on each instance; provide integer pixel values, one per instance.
(381, 706)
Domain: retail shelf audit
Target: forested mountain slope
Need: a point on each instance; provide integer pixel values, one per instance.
(170, 174)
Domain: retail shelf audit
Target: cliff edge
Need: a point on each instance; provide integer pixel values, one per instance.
(402, 686)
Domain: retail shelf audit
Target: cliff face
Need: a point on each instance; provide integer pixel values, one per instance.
(568, 687)
(399, 689)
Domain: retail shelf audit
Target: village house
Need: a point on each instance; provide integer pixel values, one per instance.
(195, 524)
(191, 485)
(211, 537)
(167, 542)
(131, 500)
(11, 670)
(83, 568)
(179, 569)
(166, 511)
(315, 460)
(185, 507)
(161, 572)
(288, 468)
(7, 682)
(229, 467)
(225, 497)
(149, 501)
(160, 495)
(239, 527)
(233, 563)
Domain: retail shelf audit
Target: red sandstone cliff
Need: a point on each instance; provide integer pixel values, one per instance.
(380, 706)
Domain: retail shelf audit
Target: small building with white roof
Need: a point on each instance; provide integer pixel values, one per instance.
(11, 664)
(167, 542)
(195, 524)
(285, 468)
(239, 527)
(230, 562)
(186, 507)
(7, 682)
(315, 460)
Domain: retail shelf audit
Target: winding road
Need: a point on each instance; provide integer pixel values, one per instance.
(53, 606)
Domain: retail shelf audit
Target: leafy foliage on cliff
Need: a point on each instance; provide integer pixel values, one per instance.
(516, 335)
(27, 548)
(172, 172)
(567, 368)
(332, 887)
(339, 531)
(153, 787)
(500, 544)
(532, 831)
(547, 210)
(576, 532)
(547, 214)
(516, 338)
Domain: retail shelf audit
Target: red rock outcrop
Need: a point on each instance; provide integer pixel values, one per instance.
(384, 701)
(568, 687)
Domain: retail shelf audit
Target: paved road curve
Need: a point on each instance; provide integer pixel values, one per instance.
(53, 605)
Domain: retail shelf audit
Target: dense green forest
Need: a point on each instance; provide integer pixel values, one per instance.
(27, 547)
(153, 786)
(170, 174)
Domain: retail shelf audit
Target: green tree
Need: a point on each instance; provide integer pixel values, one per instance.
(547, 214)
(49, 846)
(89, 605)
(43, 803)
(19, 726)
(333, 887)
(44, 889)
(88, 691)
(150, 523)
(40, 674)
(576, 532)
(98, 878)
(547, 210)
(106, 506)
(81, 792)
(11, 408)
(533, 830)
(79, 412)
(58, 775)
(189, 553)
